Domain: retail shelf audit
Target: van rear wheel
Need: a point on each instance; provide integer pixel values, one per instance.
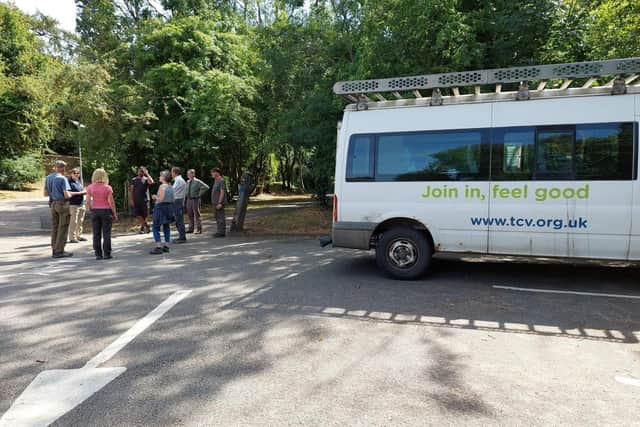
(404, 253)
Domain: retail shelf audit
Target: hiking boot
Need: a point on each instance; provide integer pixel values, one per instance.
(183, 240)
(165, 248)
(219, 235)
(156, 251)
(63, 255)
(82, 239)
(73, 241)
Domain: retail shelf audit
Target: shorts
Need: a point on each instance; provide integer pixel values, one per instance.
(140, 209)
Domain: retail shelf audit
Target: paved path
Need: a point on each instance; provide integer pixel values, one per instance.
(22, 217)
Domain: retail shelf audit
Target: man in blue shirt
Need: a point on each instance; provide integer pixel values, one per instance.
(56, 187)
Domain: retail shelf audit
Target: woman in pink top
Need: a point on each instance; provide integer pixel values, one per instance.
(103, 212)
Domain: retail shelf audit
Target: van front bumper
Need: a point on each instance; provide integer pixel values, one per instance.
(354, 235)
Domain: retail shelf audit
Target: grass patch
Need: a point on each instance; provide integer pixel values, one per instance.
(33, 190)
(303, 221)
(267, 200)
(311, 220)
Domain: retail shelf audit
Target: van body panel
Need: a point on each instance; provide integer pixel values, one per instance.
(634, 244)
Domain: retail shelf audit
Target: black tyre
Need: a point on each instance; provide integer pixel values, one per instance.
(404, 253)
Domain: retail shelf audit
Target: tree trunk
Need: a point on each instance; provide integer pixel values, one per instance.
(300, 159)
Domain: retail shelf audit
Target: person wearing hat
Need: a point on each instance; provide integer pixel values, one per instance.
(57, 188)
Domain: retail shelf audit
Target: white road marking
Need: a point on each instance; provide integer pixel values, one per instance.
(628, 381)
(136, 329)
(554, 291)
(239, 245)
(55, 392)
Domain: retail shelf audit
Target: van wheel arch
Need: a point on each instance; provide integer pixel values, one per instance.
(401, 222)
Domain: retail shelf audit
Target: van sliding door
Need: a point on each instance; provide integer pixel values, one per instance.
(562, 178)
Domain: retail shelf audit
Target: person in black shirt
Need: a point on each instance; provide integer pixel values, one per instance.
(139, 197)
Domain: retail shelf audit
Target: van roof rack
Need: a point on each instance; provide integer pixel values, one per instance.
(614, 76)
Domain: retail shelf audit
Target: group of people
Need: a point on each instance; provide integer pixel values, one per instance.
(174, 195)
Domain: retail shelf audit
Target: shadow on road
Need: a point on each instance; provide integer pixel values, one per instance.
(260, 286)
(459, 294)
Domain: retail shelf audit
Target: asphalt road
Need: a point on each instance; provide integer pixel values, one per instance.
(282, 332)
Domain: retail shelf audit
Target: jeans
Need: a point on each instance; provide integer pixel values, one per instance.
(101, 221)
(178, 211)
(60, 225)
(166, 231)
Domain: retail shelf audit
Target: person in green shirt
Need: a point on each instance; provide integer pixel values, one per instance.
(195, 190)
(218, 200)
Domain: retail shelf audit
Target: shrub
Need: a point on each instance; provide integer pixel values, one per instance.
(16, 173)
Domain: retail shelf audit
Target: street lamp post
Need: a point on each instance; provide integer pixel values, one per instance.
(79, 126)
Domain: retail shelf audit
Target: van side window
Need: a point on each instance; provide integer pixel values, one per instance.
(554, 153)
(597, 151)
(604, 151)
(360, 158)
(513, 153)
(431, 156)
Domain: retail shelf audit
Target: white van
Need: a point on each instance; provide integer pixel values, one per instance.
(544, 172)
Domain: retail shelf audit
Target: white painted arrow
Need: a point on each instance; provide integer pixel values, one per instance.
(628, 381)
(55, 392)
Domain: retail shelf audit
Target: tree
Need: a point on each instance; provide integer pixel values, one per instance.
(614, 30)
(27, 93)
(101, 33)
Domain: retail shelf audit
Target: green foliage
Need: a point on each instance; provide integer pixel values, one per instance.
(567, 34)
(16, 173)
(99, 30)
(19, 48)
(615, 29)
(27, 94)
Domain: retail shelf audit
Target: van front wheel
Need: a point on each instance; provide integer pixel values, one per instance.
(404, 253)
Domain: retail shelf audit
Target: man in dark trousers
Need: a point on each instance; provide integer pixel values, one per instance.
(139, 197)
(179, 191)
(57, 188)
(219, 200)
